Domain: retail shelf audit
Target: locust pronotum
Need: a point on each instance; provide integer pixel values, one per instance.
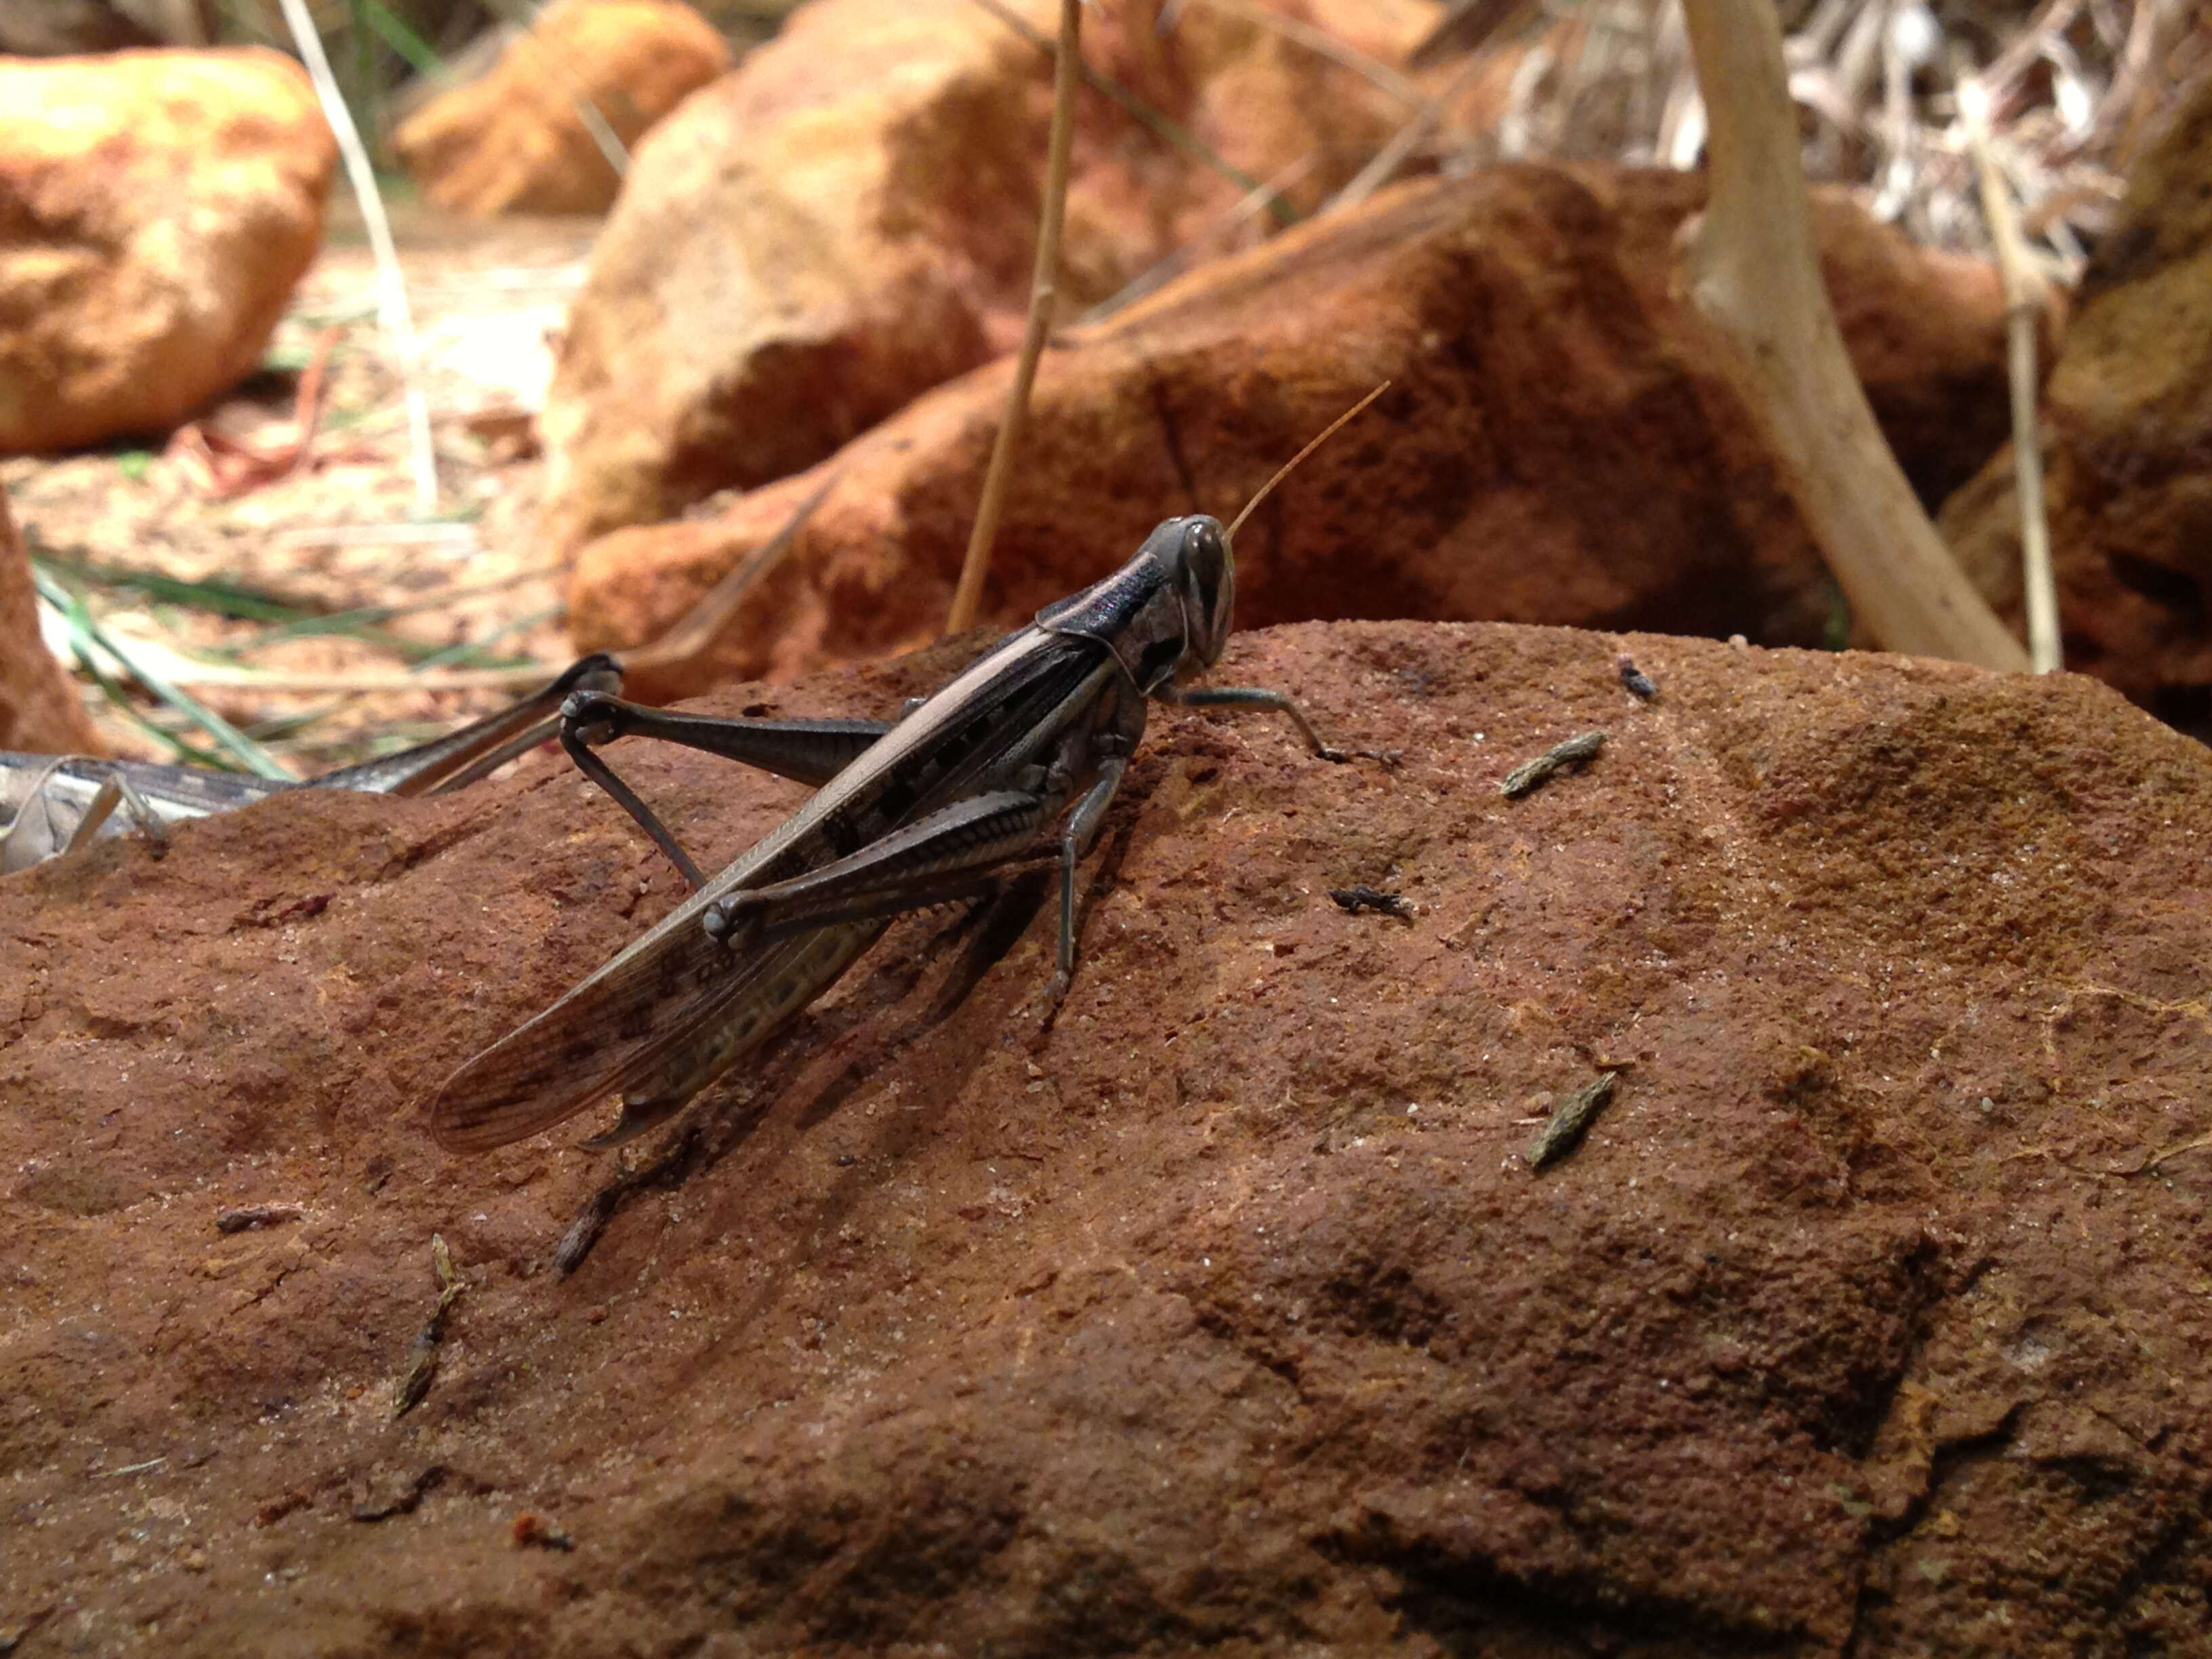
(909, 815)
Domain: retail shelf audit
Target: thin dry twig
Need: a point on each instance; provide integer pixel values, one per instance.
(1755, 276)
(2026, 299)
(698, 627)
(1322, 44)
(1178, 260)
(1531, 774)
(1384, 165)
(397, 319)
(968, 597)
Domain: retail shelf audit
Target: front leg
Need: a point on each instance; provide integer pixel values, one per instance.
(1082, 829)
(1250, 696)
(118, 790)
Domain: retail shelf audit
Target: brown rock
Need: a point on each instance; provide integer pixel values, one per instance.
(513, 142)
(1560, 445)
(50, 29)
(2127, 478)
(39, 710)
(157, 209)
(848, 219)
(1871, 1314)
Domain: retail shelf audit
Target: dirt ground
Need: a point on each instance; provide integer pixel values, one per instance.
(343, 533)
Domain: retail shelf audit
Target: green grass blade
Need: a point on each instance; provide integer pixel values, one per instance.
(249, 754)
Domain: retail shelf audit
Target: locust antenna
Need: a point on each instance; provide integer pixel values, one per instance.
(1290, 465)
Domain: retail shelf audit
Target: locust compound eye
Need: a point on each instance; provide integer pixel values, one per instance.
(1210, 585)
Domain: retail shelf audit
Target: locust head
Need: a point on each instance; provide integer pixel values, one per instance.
(1205, 578)
(1168, 611)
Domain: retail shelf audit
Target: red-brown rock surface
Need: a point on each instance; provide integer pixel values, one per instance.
(39, 709)
(848, 219)
(157, 209)
(1560, 444)
(1869, 1316)
(2128, 477)
(513, 142)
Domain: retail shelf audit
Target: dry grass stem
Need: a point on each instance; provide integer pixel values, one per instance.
(968, 597)
(397, 320)
(1322, 44)
(1753, 273)
(2026, 301)
(699, 626)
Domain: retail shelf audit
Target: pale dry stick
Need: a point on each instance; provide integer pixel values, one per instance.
(397, 321)
(2122, 105)
(968, 597)
(2006, 69)
(2026, 299)
(1172, 133)
(1754, 275)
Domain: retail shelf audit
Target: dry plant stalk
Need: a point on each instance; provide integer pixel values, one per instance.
(968, 597)
(2026, 299)
(393, 314)
(1754, 275)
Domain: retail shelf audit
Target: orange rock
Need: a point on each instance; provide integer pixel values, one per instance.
(2127, 468)
(513, 141)
(157, 209)
(847, 220)
(1224, 1316)
(1559, 443)
(38, 706)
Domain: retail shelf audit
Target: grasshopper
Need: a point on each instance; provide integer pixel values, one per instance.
(56, 803)
(1036, 733)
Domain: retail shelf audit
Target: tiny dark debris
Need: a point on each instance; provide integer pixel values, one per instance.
(1638, 682)
(247, 1217)
(1355, 899)
(405, 1500)
(535, 1532)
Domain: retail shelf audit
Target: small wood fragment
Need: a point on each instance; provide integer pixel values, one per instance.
(1570, 1118)
(421, 1369)
(1531, 774)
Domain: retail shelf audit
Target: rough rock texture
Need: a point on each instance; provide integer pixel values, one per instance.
(39, 709)
(156, 209)
(1870, 1316)
(848, 219)
(1560, 444)
(513, 142)
(2127, 477)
